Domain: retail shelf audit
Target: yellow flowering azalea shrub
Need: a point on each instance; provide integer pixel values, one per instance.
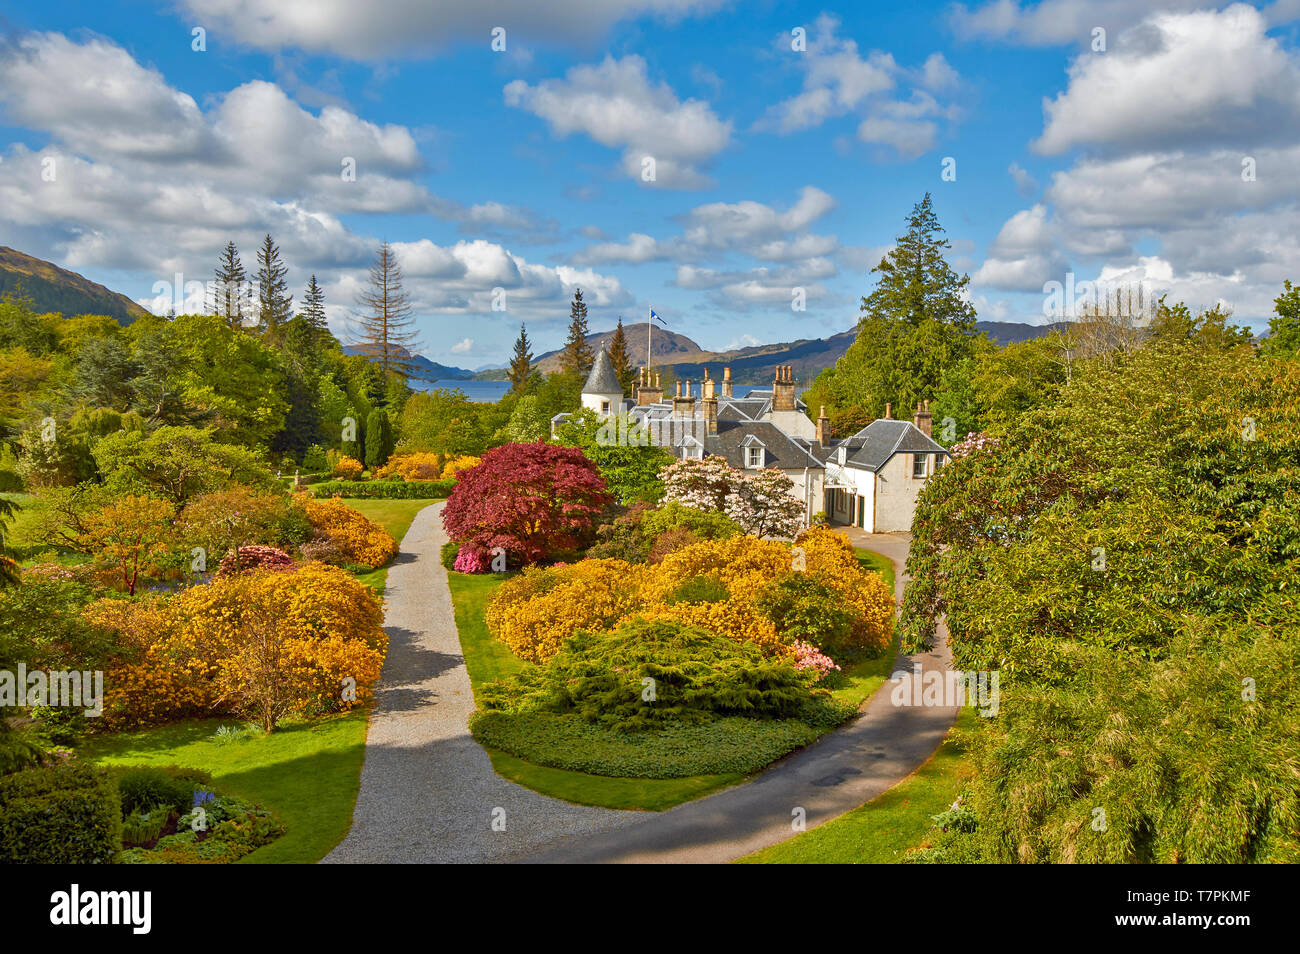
(535, 612)
(154, 678)
(417, 466)
(305, 642)
(263, 645)
(348, 468)
(722, 586)
(831, 561)
(460, 462)
(352, 538)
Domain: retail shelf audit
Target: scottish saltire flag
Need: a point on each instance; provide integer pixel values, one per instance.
(657, 318)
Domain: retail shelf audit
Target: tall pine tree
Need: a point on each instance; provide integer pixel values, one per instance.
(386, 332)
(275, 305)
(916, 325)
(229, 293)
(313, 306)
(618, 357)
(521, 362)
(577, 356)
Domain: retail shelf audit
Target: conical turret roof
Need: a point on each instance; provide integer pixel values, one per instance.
(602, 379)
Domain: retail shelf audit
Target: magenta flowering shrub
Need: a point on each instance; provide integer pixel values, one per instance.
(255, 557)
(808, 656)
(470, 559)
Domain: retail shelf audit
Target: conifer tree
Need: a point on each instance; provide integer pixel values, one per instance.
(386, 333)
(577, 356)
(228, 297)
(618, 357)
(313, 306)
(521, 362)
(275, 306)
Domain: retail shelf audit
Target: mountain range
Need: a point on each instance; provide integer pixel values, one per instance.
(51, 288)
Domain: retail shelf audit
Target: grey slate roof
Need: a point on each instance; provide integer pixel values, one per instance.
(602, 379)
(880, 440)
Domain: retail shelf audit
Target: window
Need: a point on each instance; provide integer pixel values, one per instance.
(604, 407)
(938, 462)
(753, 457)
(918, 465)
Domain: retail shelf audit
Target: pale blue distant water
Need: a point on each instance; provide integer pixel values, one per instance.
(489, 392)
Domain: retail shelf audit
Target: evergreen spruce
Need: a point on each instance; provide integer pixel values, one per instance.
(618, 357)
(577, 356)
(228, 297)
(521, 362)
(275, 305)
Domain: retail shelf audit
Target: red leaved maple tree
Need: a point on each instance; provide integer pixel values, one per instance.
(531, 500)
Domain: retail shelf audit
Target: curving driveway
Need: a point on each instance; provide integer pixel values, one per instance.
(428, 791)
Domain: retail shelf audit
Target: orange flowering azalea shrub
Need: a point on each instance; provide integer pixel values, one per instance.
(263, 645)
(305, 642)
(353, 539)
(460, 462)
(829, 558)
(535, 612)
(417, 466)
(348, 468)
(155, 678)
(722, 586)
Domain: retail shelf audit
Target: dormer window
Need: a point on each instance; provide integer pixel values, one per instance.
(755, 454)
(692, 448)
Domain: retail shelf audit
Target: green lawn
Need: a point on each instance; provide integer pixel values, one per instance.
(308, 773)
(871, 560)
(395, 516)
(487, 659)
(884, 829)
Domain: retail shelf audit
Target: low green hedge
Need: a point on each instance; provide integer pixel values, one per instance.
(385, 489)
(570, 742)
(69, 814)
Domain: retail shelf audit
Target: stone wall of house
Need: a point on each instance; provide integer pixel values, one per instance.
(897, 491)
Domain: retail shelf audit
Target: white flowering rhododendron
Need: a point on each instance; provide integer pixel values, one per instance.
(760, 501)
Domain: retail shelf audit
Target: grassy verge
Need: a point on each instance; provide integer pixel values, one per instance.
(884, 829)
(395, 516)
(308, 773)
(877, 563)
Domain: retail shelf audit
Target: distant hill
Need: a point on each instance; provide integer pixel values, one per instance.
(428, 370)
(756, 364)
(52, 288)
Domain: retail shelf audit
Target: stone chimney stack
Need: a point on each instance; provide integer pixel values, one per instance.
(710, 413)
(889, 412)
(923, 420)
(707, 388)
(648, 390)
(783, 389)
(726, 382)
(823, 428)
(683, 403)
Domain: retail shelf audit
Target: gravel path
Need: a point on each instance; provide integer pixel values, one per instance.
(428, 791)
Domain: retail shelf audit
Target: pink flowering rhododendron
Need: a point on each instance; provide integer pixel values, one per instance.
(808, 656)
(470, 559)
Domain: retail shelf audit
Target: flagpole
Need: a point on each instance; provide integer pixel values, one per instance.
(649, 327)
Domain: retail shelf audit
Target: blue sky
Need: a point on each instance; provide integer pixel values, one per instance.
(516, 175)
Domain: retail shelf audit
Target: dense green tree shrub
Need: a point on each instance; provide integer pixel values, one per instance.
(68, 814)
